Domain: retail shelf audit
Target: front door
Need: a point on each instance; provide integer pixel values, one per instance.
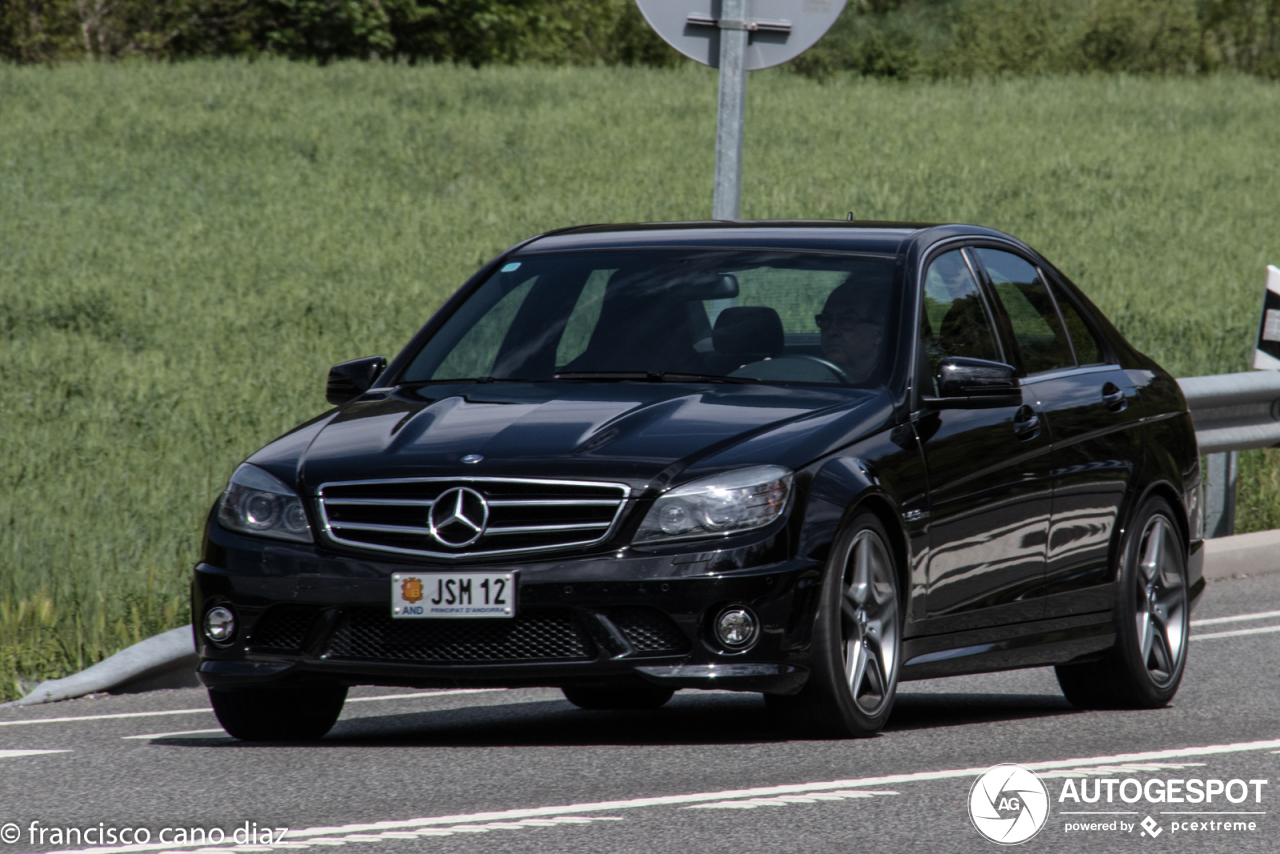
(989, 474)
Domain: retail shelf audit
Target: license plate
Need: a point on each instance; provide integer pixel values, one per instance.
(444, 595)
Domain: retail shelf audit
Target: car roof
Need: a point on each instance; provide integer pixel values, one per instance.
(887, 238)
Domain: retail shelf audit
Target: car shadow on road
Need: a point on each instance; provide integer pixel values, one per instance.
(690, 719)
(930, 710)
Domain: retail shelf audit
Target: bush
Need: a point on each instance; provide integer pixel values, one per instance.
(476, 32)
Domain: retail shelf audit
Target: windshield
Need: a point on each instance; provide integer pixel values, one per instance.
(677, 315)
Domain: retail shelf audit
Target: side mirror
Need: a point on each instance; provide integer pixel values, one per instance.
(965, 383)
(349, 380)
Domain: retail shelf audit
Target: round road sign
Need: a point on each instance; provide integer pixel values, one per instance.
(778, 30)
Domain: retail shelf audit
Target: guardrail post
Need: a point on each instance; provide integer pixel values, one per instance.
(1220, 494)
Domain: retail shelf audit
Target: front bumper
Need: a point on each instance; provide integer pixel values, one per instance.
(307, 615)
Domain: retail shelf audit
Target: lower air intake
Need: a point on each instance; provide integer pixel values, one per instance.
(371, 634)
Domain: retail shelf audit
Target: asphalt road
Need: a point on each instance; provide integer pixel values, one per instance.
(524, 771)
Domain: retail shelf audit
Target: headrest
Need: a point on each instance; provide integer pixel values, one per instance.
(748, 329)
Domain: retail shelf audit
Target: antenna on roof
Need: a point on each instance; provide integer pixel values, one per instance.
(850, 216)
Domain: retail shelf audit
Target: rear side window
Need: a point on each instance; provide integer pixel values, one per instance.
(1088, 351)
(1033, 318)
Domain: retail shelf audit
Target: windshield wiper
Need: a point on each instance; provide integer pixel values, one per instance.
(651, 376)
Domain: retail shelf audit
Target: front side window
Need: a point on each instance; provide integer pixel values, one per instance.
(1032, 316)
(750, 316)
(954, 321)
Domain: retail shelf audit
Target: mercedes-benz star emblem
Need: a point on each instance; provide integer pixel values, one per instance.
(458, 517)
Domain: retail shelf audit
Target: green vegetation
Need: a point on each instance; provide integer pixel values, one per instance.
(878, 38)
(185, 249)
(967, 38)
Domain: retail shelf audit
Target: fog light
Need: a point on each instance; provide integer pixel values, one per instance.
(736, 628)
(219, 625)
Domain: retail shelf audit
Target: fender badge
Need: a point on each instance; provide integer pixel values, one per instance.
(472, 459)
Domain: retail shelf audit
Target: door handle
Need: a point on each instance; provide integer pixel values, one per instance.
(1113, 398)
(1026, 423)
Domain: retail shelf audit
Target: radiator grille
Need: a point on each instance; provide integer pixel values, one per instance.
(372, 635)
(518, 515)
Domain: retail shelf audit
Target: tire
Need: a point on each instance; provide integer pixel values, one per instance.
(857, 642)
(1145, 667)
(296, 713)
(616, 697)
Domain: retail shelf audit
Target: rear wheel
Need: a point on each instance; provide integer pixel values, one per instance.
(857, 640)
(1145, 667)
(613, 697)
(293, 713)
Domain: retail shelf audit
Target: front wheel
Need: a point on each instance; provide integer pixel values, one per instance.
(1145, 667)
(293, 713)
(857, 639)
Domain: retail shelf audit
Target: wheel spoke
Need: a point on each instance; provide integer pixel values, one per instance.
(856, 664)
(1160, 656)
(1152, 553)
(875, 677)
(1145, 633)
(861, 582)
(886, 637)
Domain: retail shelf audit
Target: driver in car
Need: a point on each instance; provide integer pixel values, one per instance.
(851, 331)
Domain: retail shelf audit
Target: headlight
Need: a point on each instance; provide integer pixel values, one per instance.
(260, 503)
(721, 504)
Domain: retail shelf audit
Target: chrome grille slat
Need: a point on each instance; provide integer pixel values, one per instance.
(558, 502)
(530, 529)
(385, 502)
(525, 514)
(368, 526)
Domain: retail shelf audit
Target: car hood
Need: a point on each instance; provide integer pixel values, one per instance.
(634, 432)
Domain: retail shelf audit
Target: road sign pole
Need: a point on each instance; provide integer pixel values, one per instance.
(727, 197)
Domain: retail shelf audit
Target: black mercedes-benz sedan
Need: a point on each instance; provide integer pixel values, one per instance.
(806, 459)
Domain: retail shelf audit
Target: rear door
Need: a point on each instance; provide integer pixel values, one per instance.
(1093, 413)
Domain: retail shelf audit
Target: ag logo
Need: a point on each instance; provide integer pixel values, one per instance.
(1008, 804)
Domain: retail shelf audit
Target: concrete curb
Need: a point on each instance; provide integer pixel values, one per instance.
(167, 660)
(1241, 556)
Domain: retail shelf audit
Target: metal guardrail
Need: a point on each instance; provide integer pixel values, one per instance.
(1231, 413)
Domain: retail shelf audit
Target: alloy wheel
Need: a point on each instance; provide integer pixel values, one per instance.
(1161, 606)
(869, 622)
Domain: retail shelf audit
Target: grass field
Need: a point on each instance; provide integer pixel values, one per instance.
(185, 249)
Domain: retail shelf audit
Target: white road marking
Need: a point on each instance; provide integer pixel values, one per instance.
(450, 693)
(454, 823)
(1125, 768)
(170, 734)
(1261, 615)
(119, 715)
(788, 800)
(105, 717)
(1262, 631)
(6, 754)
